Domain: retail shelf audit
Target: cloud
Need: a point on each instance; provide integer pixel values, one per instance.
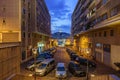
(63, 28)
(60, 11)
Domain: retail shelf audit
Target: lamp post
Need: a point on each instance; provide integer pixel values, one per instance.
(34, 50)
(87, 70)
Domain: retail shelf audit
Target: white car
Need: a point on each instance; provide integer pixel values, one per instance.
(61, 71)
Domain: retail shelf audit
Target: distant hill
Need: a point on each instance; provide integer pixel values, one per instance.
(60, 35)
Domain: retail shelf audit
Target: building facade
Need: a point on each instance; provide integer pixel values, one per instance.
(10, 38)
(36, 28)
(25, 21)
(9, 59)
(95, 27)
(41, 31)
(10, 21)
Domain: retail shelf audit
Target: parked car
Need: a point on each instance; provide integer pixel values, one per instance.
(43, 56)
(68, 50)
(31, 65)
(45, 67)
(73, 56)
(75, 69)
(53, 50)
(48, 53)
(60, 71)
(84, 61)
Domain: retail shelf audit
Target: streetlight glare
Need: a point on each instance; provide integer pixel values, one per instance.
(30, 75)
(92, 75)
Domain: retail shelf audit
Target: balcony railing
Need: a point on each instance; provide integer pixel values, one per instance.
(109, 21)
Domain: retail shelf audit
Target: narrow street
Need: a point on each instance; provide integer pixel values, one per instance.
(62, 56)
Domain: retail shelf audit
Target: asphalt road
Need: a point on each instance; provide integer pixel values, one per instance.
(62, 56)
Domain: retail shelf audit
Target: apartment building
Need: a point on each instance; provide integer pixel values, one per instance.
(25, 21)
(10, 32)
(20, 31)
(95, 28)
(35, 27)
(41, 21)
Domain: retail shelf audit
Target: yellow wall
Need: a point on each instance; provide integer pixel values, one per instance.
(10, 11)
(12, 15)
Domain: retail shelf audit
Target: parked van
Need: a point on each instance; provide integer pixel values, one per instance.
(46, 66)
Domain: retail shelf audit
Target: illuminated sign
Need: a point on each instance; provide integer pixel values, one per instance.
(40, 44)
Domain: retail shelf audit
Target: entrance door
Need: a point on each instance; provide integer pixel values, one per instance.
(107, 54)
(106, 58)
(99, 57)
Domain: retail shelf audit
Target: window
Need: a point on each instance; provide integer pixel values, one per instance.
(4, 22)
(23, 25)
(95, 34)
(98, 45)
(23, 1)
(105, 33)
(29, 15)
(111, 32)
(24, 11)
(104, 16)
(114, 11)
(28, 4)
(99, 5)
(99, 19)
(99, 34)
(23, 34)
(28, 35)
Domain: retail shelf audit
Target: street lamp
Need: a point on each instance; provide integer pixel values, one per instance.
(87, 71)
(34, 50)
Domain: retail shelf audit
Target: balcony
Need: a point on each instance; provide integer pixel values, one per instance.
(110, 21)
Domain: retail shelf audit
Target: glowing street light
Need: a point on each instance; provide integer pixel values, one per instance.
(87, 71)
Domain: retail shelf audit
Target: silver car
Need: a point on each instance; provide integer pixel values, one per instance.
(31, 65)
(61, 71)
(45, 67)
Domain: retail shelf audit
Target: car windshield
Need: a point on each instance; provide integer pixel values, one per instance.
(60, 69)
(42, 66)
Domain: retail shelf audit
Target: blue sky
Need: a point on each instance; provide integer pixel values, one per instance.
(61, 11)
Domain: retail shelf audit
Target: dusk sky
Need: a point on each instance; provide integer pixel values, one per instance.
(61, 11)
